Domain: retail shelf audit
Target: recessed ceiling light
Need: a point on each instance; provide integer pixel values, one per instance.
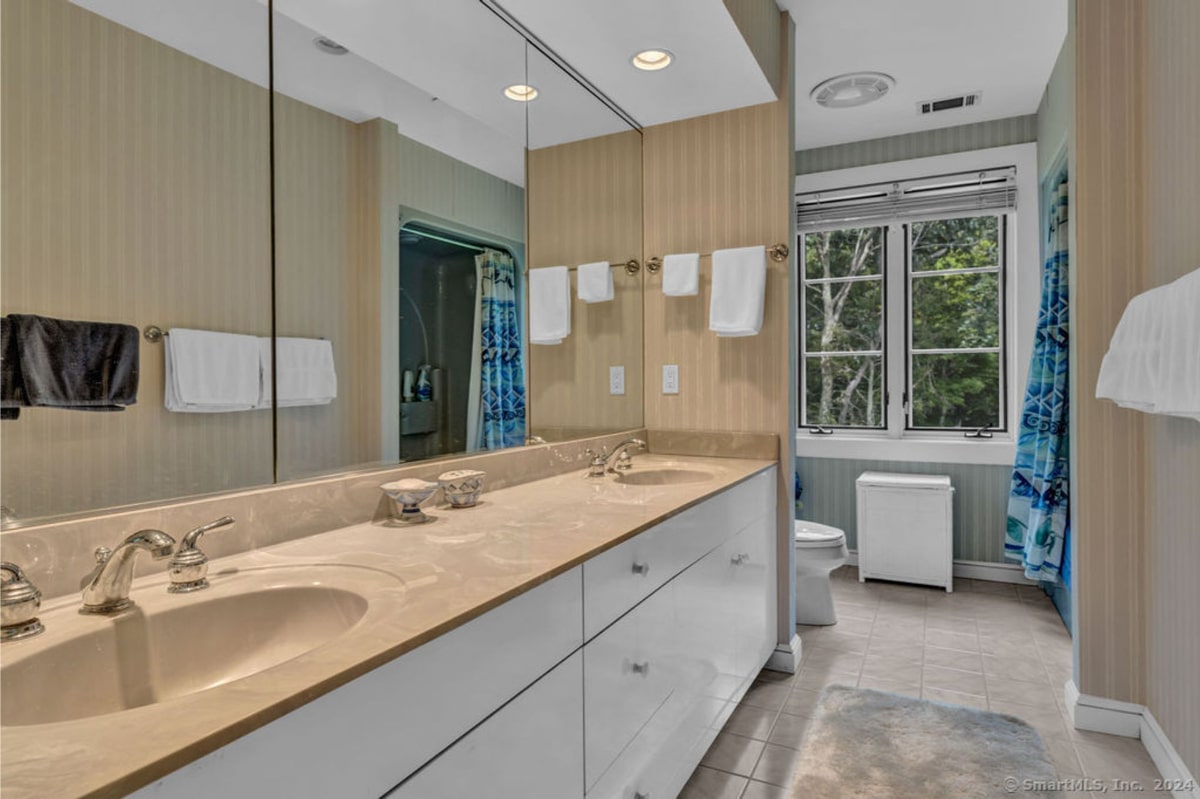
(848, 91)
(520, 92)
(329, 46)
(652, 60)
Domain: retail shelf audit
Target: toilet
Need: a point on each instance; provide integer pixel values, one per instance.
(819, 550)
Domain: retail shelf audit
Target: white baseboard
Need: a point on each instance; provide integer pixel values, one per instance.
(977, 570)
(786, 657)
(1170, 765)
(1098, 714)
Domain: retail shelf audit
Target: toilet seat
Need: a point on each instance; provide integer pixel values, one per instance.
(811, 535)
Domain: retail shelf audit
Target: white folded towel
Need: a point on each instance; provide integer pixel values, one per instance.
(739, 285)
(595, 282)
(1129, 371)
(549, 305)
(1179, 359)
(681, 275)
(209, 372)
(306, 374)
(1153, 361)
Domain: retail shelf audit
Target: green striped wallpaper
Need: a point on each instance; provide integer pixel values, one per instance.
(923, 144)
(980, 499)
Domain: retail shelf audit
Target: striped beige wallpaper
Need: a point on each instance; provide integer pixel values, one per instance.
(724, 180)
(1172, 173)
(585, 204)
(322, 285)
(1110, 471)
(942, 141)
(128, 197)
(980, 499)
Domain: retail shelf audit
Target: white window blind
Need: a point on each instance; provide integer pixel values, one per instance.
(991, 190)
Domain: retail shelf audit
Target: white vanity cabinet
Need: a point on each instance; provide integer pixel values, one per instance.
(663, 678)
(610, 680)
(365, 737)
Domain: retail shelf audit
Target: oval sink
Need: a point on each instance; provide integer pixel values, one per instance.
(664, 477)
(168, 646)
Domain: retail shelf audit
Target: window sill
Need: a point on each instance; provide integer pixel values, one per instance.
(994, 452)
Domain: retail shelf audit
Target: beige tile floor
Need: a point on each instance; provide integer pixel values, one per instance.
(991, 646)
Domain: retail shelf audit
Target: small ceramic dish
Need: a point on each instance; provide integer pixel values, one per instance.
(462, 487)
(409, 494)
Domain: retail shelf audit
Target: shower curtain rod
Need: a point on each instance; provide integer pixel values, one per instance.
(446, 240)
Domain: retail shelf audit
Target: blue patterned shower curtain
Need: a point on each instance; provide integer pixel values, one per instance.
(501, 362)
(1038, 518)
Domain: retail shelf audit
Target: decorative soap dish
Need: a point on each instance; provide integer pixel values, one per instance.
(409, 494)
(462, 487)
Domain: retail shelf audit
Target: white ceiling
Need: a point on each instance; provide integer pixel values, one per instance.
(437, 68)
(714, 69)
(934, 49)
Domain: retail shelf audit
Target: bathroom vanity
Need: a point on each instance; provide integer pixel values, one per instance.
(567, 637)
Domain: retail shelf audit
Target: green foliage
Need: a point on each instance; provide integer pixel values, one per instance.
(949, 311)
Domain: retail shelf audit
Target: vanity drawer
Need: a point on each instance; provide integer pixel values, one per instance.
(630, 673)
(616, 580)
(532, 748)
(365, 737)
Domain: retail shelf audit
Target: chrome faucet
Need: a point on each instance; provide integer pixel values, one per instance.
(602, 462)
(19, 603)
(189, 566)
(619, 458)
(108, 592)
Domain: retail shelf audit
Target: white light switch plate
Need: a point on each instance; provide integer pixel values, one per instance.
(616, 380)
(670, 378)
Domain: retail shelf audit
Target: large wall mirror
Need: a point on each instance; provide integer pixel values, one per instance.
(412, 195)
(136, 193)
(585, 206)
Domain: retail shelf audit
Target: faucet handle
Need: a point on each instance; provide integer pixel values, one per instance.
(19, 603)
(597, 462)
(102, 555)
(189, 566)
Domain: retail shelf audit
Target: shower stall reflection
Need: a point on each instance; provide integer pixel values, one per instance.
(461, 345)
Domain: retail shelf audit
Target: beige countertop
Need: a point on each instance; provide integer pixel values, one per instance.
(420, 582)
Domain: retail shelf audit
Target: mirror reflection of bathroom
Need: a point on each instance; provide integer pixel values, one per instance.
(451, 286)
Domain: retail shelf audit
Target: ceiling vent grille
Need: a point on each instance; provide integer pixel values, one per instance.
(950, 103)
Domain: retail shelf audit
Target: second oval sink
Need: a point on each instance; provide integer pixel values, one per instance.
(157, 653)
(663, 477)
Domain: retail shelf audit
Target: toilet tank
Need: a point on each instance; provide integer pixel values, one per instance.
(905, 528)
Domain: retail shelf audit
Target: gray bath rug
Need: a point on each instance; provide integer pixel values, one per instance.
(873, 744)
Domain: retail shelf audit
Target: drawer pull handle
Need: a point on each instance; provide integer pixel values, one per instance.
(642, 668)
(740, 558)
(641, 568)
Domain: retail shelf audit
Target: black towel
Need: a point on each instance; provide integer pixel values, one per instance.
(87, 366)
(12, 393)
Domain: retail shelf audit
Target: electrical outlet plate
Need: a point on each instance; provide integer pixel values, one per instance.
(670, 378)
(616, 380)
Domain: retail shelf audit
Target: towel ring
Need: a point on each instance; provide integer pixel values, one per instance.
(153, 333)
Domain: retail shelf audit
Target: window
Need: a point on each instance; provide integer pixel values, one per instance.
(955, 324)
(843, 327)
(904, 308)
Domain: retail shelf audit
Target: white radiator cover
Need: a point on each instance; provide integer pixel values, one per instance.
(905, 528)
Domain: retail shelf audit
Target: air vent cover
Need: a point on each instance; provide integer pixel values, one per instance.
(847, 91)
(950, 103)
